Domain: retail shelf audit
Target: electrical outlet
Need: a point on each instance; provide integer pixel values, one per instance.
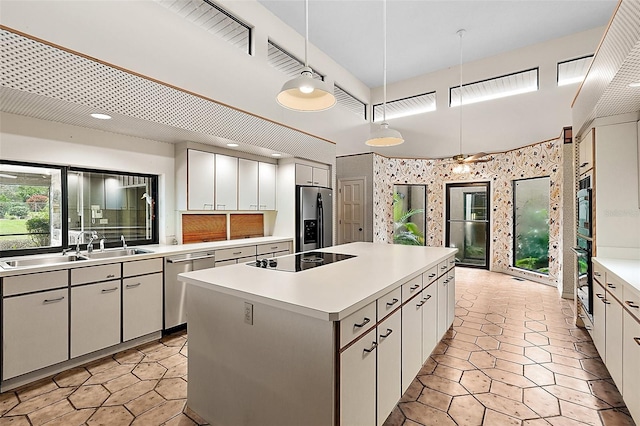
(248, 313)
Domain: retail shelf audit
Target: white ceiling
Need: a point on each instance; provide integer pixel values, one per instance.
(421, 34)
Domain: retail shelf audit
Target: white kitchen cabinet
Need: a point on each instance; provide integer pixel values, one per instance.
(200, 179)
(599, 317)
(613, 338)
(141, 305)
(358, 381)
(430, 336)
(226, 187)
(267, 186)
(389, 367)
(443, 303)
(411, 340)
(247, 184)
(95, 317)
(451, 297)
(35, 331)
(631, 364)
(585, 148)
(309, 175)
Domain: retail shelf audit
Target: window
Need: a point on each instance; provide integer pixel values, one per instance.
(495, 88)
(349, 102)
(213, 19)
(573, 71)
(405, 107)
(45, 208)
(531, 224)
(284, 61)
(409, 220)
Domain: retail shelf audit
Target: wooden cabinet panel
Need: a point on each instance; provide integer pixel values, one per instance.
(631, 364)
(95, 317)
(141, 305)
(246, 225)
(35, 331)
(247, 184)
(358, 382)
(200, 173)
(226, 192)
(197, 228)
(267, 186)
(389, 366)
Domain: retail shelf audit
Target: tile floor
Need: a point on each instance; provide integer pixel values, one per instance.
(513, 357)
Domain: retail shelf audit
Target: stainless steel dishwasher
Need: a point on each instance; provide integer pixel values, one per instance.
(175, 308)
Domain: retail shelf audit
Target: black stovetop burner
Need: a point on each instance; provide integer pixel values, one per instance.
(300, 261)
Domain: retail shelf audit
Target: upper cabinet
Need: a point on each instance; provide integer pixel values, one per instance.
(226, 193)
(200, 169)
(267, 186)
(310, 175)
(585, 162)
(247, 184)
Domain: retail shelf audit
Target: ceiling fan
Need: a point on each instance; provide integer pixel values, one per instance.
(462, 158)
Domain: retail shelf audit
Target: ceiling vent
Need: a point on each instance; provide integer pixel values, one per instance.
(573, 71)
(495, 88)
(405, 107)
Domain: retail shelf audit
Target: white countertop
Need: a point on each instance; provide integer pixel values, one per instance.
(156, 250)
(329, 292)
(627, 270)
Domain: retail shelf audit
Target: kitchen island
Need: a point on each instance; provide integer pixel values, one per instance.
(333, 344)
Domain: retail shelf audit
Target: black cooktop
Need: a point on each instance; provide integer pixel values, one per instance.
(300, 261)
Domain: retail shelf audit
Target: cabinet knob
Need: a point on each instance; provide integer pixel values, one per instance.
(363, 323)
(373, 346)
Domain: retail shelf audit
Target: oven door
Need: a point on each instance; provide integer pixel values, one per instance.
(584, 212)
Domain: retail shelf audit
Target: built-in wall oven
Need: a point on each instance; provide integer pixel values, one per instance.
(584, 249)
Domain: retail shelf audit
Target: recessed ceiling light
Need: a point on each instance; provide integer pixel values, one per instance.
(275, 154)
(635, 84)
(101, 116)
(232, 145)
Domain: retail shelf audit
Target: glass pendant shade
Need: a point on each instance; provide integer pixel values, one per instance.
(305, 93)
(385, 137)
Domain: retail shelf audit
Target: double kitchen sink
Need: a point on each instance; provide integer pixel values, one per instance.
(54, 259)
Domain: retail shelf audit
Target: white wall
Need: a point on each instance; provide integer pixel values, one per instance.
(38, 141)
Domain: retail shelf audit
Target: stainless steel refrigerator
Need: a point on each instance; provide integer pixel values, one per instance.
(314, 217)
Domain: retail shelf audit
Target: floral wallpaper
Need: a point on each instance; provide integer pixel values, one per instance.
(542, 159)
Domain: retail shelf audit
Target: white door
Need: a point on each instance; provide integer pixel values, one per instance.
(351, 211)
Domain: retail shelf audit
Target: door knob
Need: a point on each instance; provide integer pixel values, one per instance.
(359, 229)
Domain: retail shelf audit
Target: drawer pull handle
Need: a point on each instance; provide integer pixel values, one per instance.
(415, 287)
(53, 300)
(393, 302)
(597, 274)
(109, 290)
(387, 334)
(606, 302)
(274, 247)
(432, 275)
(631, 304)
(450, 277)
(373, 346)
(611, 285)
(110, 276)
(363, 323)
(451, 262)
(443, 267)
(237, 252)
(422, 302)
(599, 296)
(637, 339)
(428, 297)
(133, 285)
(445, 282)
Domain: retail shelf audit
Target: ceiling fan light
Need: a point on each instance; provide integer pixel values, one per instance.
(305, 93)
(385, 137)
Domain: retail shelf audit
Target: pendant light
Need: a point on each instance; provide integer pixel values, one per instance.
(384, 136)
(461, 167)
(305, 93)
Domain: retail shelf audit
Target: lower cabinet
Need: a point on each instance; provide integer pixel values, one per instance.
(613, 337)
(411, 340)
(388, 365)
(599, 317)
(430, 336)
(95, 317)
(443, 303)
(141, 305)
(451, 297)
(35, 331)
(631, 364)
(358, 381)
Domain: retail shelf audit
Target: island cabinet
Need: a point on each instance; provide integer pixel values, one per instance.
(357, 330)
(35, 322)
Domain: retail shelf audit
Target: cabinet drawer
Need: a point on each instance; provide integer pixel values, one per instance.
(272, 248)
(389, 302)
(34, 282)
(443, 266)
(614, 286)
(452, 261)
(631, 301)
(141, 267)
(598, 273)
(94, 274)
(235, 253)
(225, 263)
(430, 276)
(411, 288)
(357, 323)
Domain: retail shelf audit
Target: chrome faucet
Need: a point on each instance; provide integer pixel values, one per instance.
(124, 242)
(94, 236)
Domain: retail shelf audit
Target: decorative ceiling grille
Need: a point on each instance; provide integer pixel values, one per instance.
(495, 88)
(413, 105)
(349, 102)
(284, 61)
(573, 71)
(213, 19)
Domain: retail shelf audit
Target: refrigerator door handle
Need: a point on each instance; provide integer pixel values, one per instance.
(320, 221)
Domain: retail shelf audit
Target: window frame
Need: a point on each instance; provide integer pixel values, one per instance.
(379, 105)
(452, 88)
(567, 61)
